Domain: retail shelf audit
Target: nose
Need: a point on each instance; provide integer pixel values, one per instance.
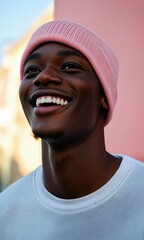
(46, 76)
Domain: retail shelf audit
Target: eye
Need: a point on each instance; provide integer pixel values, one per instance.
(31, 71)
(71, 67)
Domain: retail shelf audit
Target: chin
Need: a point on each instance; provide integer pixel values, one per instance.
(50, 136)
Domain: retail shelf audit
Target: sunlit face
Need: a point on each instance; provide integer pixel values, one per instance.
(60, 94)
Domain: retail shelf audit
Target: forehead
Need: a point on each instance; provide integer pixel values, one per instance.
(54, 48)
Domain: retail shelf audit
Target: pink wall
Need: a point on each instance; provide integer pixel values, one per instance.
(121, 24)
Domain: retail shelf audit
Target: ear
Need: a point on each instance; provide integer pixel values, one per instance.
(104, 103)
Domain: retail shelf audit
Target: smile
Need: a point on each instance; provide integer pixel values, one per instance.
(45, 101)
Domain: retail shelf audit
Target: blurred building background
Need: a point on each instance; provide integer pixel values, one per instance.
(19, 151)
(120, 23)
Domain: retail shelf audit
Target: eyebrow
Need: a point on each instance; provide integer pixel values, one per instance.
(71, 53)
(34, 56)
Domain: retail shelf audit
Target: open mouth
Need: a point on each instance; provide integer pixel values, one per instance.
(47, 101)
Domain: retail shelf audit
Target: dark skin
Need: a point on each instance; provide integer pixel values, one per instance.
(75, 161)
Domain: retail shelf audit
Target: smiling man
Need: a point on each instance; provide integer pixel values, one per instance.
(68, 92)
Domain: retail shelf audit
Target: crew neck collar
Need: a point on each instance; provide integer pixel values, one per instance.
(89, 201)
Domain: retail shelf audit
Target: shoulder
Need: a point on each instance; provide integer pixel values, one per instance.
(135, 173)
(137, 164)
(138, 172)
(128, 160)
(132, 172)
(17, 192)
(17, 186)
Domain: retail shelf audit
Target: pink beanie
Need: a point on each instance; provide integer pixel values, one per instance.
(98, 53)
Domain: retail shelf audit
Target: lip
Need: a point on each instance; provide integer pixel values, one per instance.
(49, 110)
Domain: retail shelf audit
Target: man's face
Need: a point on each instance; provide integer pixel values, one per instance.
(60, 94)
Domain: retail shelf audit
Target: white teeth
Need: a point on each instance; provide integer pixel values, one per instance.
(43, 100)
(62, 102)
(49, 99)
(37, 102)
(54, 100)
(65, 102)
(58, 101)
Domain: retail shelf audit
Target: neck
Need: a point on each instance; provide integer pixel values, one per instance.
(79, 169)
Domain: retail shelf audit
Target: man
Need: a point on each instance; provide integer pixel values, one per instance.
(68, 92)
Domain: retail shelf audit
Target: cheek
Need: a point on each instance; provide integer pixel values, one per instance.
(92, 104)
(89, 96)
(22, 89)
(23, 95)
(87, 109)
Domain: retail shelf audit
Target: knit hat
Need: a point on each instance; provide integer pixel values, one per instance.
(98, 53)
